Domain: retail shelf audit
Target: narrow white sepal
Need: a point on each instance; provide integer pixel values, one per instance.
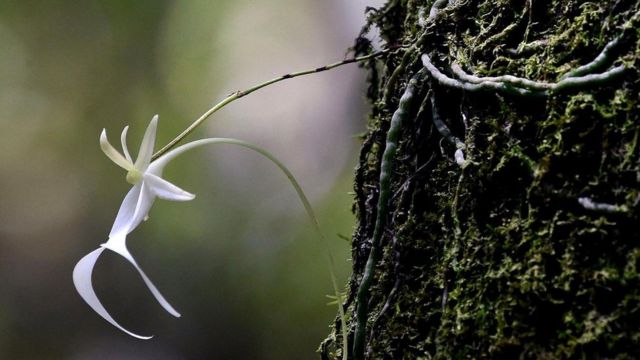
(82, 280)
(123, 141)
(166, 190)
(146, 147)
(118, 246)
(112, 153)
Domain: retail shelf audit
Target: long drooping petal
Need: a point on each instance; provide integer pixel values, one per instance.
(82, 280)
(146, 147)
(123, 141)
(118, 245)
(112, 153)
(166, 190)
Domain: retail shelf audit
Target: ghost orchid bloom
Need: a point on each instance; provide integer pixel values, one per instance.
(144, 175)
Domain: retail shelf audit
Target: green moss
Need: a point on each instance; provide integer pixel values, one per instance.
(499, 260)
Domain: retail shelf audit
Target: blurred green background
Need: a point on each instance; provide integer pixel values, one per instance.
(240, 262)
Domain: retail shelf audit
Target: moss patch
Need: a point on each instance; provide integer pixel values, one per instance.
(499, 260)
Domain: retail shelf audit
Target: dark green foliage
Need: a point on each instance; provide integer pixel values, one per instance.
(498, 259)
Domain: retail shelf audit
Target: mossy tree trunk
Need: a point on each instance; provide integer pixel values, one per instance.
(528, 247)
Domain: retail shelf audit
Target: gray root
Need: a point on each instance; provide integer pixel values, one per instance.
(589, 204)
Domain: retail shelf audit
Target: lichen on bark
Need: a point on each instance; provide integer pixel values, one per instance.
(500, 258)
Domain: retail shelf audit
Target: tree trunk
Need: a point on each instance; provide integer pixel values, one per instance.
(512, 221)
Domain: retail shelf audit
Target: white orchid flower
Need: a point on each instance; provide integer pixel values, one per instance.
(144, 175)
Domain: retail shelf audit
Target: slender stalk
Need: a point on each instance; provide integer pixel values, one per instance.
(239, 94)
(303, 199)
(314, 220)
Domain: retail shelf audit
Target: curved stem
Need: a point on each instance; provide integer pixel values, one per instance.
(238, 94)
(163, 160)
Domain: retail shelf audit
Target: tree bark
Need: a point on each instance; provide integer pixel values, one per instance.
(512, 228)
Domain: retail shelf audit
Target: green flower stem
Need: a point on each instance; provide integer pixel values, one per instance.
(314, 220)
(386, 171)
(239, 94)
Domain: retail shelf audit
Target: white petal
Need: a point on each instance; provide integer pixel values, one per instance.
(134, 209)
(112, 153)
(146, 147)
(123, 141)
(166, 190)
(118, 245)
(82, 281)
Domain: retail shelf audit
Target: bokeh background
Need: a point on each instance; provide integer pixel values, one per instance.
(240, 262)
